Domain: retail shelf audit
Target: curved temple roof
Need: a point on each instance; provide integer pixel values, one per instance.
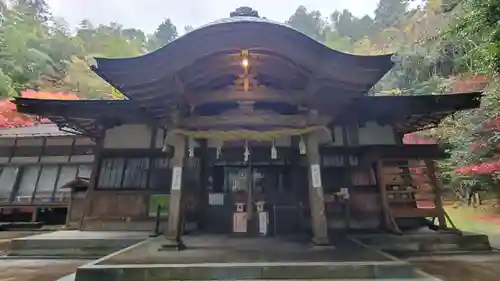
(209, 58)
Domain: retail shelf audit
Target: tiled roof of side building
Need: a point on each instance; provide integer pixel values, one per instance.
(41, 130)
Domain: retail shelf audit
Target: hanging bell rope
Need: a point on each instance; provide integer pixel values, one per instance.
(247, 134)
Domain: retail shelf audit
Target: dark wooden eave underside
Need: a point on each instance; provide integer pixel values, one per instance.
(85, 117)
(406, 113)
(208, 59)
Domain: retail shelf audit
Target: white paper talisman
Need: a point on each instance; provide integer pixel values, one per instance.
(176, 178)
(316, 175)
(263, 222)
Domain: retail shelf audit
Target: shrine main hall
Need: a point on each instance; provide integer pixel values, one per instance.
(250, 127)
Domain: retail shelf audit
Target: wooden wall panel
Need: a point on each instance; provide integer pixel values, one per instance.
(374, 134)
(75, 211)
(128, 136)
(116, 205)
(365, 202)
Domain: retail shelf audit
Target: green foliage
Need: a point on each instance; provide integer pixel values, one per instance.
(388, 12)
(38, 51)
(310, 23)
(347, 25)
(164, 34)
(480, 22)
(472, 140)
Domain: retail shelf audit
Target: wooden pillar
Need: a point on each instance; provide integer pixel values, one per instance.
(204, 174)
(431, 172)
(34, 215)
(389, 221)
(174, 228)
(94, 177)
(383, 195)
(70, 207)
(316, 195)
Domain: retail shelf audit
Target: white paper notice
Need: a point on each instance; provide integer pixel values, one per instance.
(263, 222)
(239, 222)
(216, 199)
(176, 178)
(316, 175)
(345, 192)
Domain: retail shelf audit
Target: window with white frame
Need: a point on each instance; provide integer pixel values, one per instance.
(38, 184)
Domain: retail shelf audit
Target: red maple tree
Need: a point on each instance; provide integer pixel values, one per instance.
(484, 168)
(10, 118)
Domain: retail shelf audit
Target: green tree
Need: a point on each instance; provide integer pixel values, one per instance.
(165, 33)
(348, 25)
(188, 28)
(309, 23)
(22, 55)
(388, 12)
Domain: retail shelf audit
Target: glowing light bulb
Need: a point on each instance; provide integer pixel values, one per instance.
(244, 62)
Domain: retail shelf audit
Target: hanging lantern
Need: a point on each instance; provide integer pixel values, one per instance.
(274, 152)
(247, 152)
(218, 152)
(302, 146)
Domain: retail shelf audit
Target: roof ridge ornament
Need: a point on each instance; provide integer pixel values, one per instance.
(244, 11)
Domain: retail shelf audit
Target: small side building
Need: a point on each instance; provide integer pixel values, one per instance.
(35, 163)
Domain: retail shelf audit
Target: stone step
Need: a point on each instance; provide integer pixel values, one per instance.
(426, 243)
(394, 270)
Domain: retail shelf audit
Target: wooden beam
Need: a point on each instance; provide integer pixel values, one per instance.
(258, 95)
(240, 118)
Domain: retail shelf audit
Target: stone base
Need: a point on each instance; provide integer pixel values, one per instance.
(426, 242)
(226, 257)
(173, 245)
(317, 241)
(74, 244)
(254, 271)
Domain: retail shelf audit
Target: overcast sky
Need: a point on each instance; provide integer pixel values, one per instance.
(147, 14)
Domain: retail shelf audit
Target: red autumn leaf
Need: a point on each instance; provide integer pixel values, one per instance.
(480, 169)
(49, 96)
(10, 118)
(414, 138)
